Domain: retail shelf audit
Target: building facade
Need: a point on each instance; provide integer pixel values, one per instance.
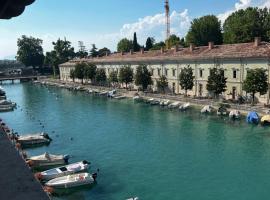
(234, 59)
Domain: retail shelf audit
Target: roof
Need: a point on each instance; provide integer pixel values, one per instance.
(227, 51)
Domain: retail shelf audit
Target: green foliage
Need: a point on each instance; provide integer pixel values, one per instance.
(124, 45)
(101, 76)
(103, 52)
(149, 43)
(72, 74)
(79, 71)
(61, 53)
(216, 82)
(135, 46)
(162, 83)
(203, 30)
(30, 51)
(113, 77)
(157, 46)
(172, 41)
(126, 75)
(143, 77)
(90, 72)
(243, 25)
(93, 51)
(186, 79)
(256, 81)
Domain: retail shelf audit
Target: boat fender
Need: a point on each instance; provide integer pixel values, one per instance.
(30, 163)
(18, 146)
(94, 175)
(48, 189)
(38, 176)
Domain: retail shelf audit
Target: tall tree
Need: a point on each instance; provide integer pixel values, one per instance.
(143, 77)
(103, 52)
(203, 30)
(72, 75)
(243, 25)
(93, 51)
(216, 83)
(101, 76)
(82, 53)
(126, 75)
(30, 51)
(79, 71)
(90, 72)
(124, 45)
(113, 77)
(186, 79)
(135, 46)
(149, 43)
(61, 53)
(256, 81)
(172, 41)
(162, 83)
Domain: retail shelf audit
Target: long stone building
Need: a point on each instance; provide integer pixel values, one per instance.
(234, 59)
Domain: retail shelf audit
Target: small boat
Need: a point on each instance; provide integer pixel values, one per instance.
(252, 118)
(265, 120)
(73, 180)
(149, 100)
(133, 198)
(46, 160)
(155, 102)
(207, 109)
(63, 171)
(184, 106)
(234, 114)
(164, 103)
(103, 93)
(7, 103)
(34, 139)
(2, 97)
(119, 97)
(174, 105)
(6, 108)
(137, 98)
(222, 111)
(111, 93)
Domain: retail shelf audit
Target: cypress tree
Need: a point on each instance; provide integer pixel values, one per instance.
(135, 45)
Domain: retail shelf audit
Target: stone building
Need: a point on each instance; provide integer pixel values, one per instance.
(234, 59)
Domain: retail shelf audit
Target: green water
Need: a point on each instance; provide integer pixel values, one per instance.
(146, 151)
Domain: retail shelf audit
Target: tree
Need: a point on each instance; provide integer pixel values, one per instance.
(101, 76)
(103, 52)
(186, 79)
(203, 30)
(143, 77)
(30, 51)
(72, 74)
(126, 75)
(93, 51)
(172, 41)
(135, 46)
(162, 83)
(61, 53)
(256, 81)
(113, 77)
(124, 45)
(82, 53)
(90, 72)
(149, 43)
(79, 71)
(243, 25)
(216, 82)
(158, 46)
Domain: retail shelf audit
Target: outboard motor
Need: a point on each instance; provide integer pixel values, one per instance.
(94, 175)
(66, 158)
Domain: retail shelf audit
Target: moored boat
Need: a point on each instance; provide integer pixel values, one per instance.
(154, 102)
(222, 111)
(207, 109)
(252, 118)
(34, 139)
(46, 160)
(184, 107)
(133, 198)
(63, 171)
(72, 181)
(234, 114)
(174, 105)
(137, 98)
(265, 120)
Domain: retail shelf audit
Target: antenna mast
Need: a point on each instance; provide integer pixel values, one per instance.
(168, 23)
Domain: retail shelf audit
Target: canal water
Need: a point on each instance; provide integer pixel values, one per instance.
(145, 151)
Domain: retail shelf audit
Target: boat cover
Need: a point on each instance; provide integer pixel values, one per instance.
(252, 117)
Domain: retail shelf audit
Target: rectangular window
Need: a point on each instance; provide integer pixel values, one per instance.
(152, 72)
(201, 73)
(166, 72)
(159, 72)
(234, 73)
(173, 72)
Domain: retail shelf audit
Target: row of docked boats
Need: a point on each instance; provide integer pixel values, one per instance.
(5, 105)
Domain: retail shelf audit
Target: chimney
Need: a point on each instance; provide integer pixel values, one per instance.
(257, 41)
(142, 50)
(176, 48)
(191, 47)
(162, 49)
(210, 45)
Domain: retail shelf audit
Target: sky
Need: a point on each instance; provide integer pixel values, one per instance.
(105, 22)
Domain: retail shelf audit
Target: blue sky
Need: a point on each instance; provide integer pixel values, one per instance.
(104, 22)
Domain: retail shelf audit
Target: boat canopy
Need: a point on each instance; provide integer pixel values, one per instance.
(252, 117)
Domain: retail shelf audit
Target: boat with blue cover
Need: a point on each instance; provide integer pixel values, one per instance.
(252, 118)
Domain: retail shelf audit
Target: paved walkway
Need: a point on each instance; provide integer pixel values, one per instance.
(17, 181)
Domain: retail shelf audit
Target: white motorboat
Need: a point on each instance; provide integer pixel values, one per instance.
(34, 139)
(133, 198)
(235, 114)
(111, 94)
(63, 171)
(154, 102)
(7, 103)
(103, 93)
(174, 104)
(46, 160)
(207, 109)
(73, 180)
(6, 108)
(137, 98)
(184, 106)
(164, 103)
